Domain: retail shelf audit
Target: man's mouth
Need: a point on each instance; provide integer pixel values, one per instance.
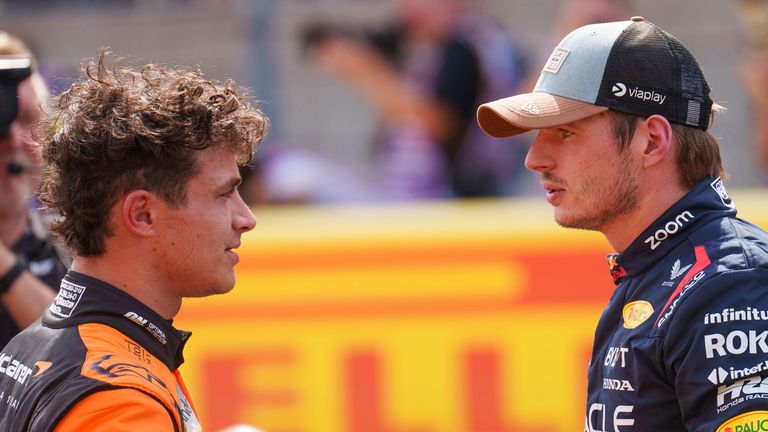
(554, 192)
(552, 187)
(230, 251)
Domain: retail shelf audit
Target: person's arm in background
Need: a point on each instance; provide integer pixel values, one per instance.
(26, 296)
(381, 85)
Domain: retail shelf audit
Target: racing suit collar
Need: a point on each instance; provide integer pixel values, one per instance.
(83, 299)
(705, 201)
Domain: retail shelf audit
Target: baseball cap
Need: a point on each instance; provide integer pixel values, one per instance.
(628, 66)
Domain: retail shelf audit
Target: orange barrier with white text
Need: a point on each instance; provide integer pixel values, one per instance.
(431, 317)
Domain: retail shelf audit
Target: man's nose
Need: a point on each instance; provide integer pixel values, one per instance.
(539, 157)
(244, 219)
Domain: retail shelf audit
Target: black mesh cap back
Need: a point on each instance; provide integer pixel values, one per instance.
(650, 72)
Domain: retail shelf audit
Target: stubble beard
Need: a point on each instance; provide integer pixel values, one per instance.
(607, 201)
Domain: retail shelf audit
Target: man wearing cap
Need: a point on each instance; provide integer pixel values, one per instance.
(622, 111)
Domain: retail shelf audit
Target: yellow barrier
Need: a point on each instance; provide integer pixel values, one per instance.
(434, 317)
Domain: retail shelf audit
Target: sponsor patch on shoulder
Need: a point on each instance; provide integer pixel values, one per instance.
(753, 421)
(636, 313)
(719, 188)
(67, 299)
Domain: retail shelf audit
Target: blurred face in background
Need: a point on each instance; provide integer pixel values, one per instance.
(16, 147)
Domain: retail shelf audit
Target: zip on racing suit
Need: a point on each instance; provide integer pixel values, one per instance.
(98, 359)
(683, 342)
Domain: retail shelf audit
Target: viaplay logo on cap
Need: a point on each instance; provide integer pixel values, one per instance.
(753, 421)
(619, 89)
(645, 96)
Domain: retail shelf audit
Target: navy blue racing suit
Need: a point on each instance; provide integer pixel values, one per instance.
(683, 342)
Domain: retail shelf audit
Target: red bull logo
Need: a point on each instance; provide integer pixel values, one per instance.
(617, 271)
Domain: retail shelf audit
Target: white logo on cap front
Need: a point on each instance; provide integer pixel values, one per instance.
(556, 60)
(619, 89)
(531, 108)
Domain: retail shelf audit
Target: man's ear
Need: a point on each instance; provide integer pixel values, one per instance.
(139, 212)
(658, 147)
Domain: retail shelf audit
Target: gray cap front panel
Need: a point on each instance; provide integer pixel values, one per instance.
(581, 72)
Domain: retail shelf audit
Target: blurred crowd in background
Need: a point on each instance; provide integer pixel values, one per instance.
(374, 100)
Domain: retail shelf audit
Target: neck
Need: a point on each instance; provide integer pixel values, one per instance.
(623, 230)
(131, 277)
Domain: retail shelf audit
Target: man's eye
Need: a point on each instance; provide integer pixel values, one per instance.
(564, 133)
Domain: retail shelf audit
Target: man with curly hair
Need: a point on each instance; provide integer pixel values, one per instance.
(142, 166)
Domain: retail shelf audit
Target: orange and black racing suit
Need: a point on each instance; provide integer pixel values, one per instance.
(98, 359)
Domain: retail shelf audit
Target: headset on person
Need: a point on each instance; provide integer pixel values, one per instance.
(13, 70)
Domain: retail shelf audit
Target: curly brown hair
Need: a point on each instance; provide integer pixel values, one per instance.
(122, 129)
